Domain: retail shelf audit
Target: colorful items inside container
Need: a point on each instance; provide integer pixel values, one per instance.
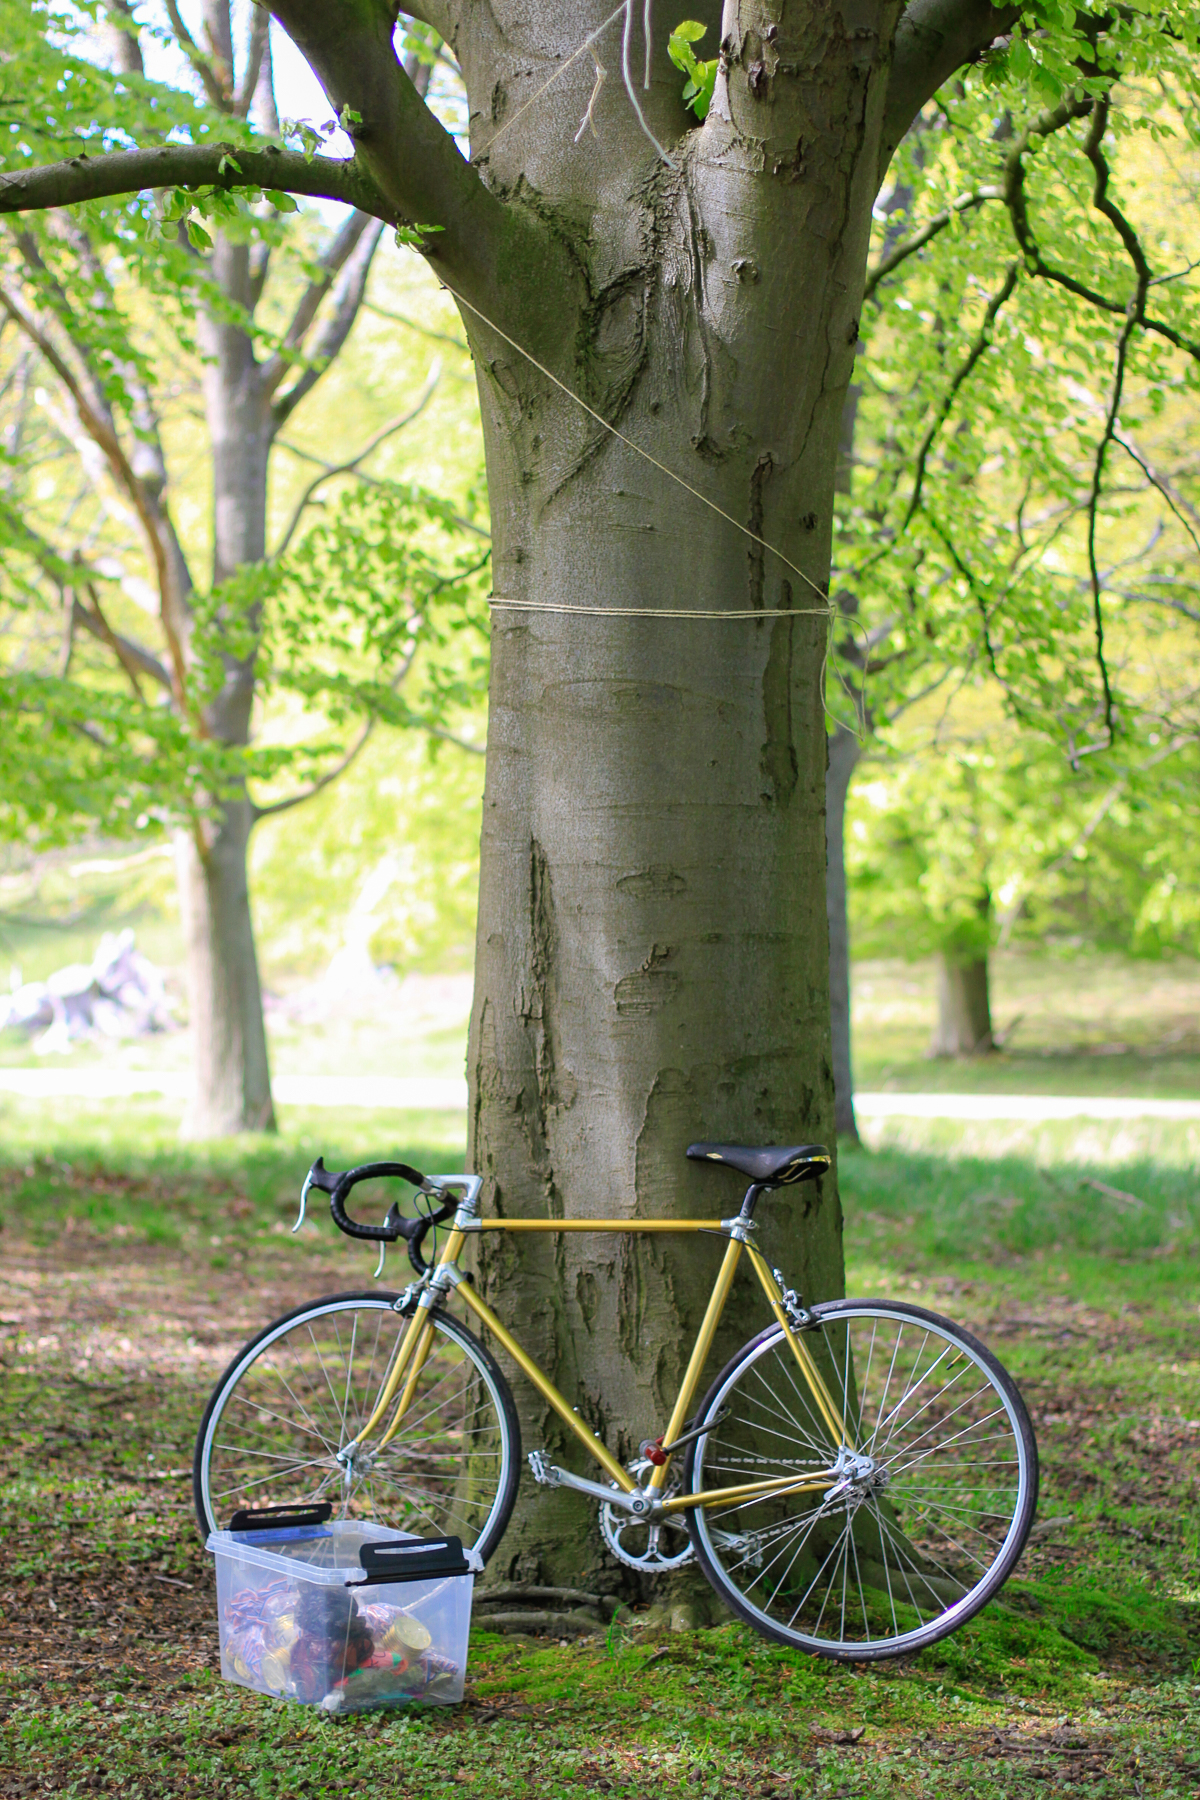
(303, 1618)
(325, 1646)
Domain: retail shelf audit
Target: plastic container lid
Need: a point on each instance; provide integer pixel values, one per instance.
(345, 1552)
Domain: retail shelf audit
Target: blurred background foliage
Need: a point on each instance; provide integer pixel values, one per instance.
(990, 837)
(1014, 789)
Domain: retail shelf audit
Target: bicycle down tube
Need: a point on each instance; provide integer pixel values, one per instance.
(414, 1347)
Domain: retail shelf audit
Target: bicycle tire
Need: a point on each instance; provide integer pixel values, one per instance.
(420, 1484)
(916, 1557)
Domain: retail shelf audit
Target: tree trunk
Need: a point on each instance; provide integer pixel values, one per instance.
(653, 956)
(964, 1021)
(232, 1085)
(844, 752)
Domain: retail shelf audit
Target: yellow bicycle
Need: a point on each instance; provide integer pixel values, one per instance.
(858, 1481)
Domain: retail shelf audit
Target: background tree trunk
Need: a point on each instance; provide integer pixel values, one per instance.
(652, 961)
(232, 1085)
(964, 1021)
(844, 752)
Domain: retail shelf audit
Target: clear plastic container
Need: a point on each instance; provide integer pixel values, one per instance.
(342, 1614)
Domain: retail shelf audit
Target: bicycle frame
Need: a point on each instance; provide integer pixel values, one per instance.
(415, 1344)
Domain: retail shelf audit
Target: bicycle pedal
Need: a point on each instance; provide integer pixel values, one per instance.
(543, 1470)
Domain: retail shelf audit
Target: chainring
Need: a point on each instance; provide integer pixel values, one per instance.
(641, 1544)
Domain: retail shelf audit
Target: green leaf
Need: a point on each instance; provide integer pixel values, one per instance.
(701, 76)
(414, 235)
(198, 238)
(283, 203)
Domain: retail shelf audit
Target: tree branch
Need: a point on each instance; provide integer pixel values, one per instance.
(104, 435)
(1179, 606)
(322, 781)
(448, 737)
(331, 264)
(51, 292)
(347, 298)
(1047, 123)
(66, 572)
(439, 337)
(933, 39)
(1160, 482)
(259, 38)
(409, 156)
(889, 263)
(347, 295)
(132, 655)
(193, 165)
(1093, 150)
(348, 468)
(982, 340)
(213, 86)
(968, 575)
(99, 627)
(1134, 316)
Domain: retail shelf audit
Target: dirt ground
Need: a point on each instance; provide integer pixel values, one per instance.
(109, 1345)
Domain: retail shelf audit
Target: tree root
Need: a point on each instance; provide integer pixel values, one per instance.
(605, 1602)
(549, 1624)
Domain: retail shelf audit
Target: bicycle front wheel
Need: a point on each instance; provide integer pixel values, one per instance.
(304, 1388)
(897, 1538)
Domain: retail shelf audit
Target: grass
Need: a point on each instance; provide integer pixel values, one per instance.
(1094, 1025)
(132, 1270)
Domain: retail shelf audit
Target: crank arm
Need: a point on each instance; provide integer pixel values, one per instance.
(641, 1505)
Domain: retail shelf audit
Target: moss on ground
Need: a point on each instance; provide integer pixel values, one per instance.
(1084, 1678)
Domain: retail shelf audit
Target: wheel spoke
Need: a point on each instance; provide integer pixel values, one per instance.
(918, 1534)
(273, 1432)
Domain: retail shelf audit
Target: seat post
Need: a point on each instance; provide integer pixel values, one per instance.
(750, 1198)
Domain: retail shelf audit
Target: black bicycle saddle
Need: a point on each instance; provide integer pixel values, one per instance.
(770, 1164)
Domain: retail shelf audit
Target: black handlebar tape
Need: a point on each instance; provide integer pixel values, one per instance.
(328, 1180)
(385, 1233)
(339, 1186)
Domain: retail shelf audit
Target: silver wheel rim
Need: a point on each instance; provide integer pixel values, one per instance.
(805, 1568)
(302, 1392)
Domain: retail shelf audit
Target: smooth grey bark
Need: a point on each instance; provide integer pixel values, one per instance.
(964, 1016)
(231, 1081)
(247, 400)
(845, 749)
(652, 960)
(231, 1077)
(652, 964)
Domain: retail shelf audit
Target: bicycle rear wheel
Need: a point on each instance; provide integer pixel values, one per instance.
(905, 1541)
(303, 1389)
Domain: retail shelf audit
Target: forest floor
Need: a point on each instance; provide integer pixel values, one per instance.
(130, 1275)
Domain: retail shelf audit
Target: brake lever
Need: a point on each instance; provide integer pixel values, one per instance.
(304, 1192)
